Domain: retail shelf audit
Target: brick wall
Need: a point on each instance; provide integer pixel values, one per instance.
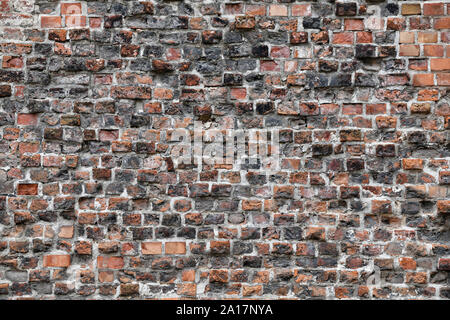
(92, 204)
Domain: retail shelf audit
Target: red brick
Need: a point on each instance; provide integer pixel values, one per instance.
(108, 262)
(443, 206)
(412, 164)
(433, 9)
(278, 10)
(75, 21)
(442, 64)
(433, 50)
(343, 38)
(301, 10)
(12, 62)
(409, 50)
(443, 79)
(26, 119)
(151, 248)
(27, 189)
(423, 80)
(442, 23)
(354, 24)
(51, 22)
(57, 261)
(175, 247)
(71, 8)
(407, 263)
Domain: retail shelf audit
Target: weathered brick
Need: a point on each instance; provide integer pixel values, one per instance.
(94, 200)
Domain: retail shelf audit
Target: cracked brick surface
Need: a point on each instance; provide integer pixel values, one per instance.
(92, 205)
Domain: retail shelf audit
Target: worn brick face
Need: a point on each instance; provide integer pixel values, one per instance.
(94, 205)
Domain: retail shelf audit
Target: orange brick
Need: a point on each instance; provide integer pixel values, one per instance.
(26, 119)
(163, 93)
(428, 95)
(218, 276)
(409, 50)
(443, 206)
(412, 164)
(278, 10)
(343, 38)
(251, 290)
(28, 189)
(416, 277)
(255, 10)
(75, 21)
(151, 248)
(188, 276)
(445, 37)
(354, 24)
(431, 50)
(427, 37)
(442, 23)
(31, 147)
(57, 261)
(433, 9)
(376, 108)
(396, 24)
(440, 64)
(411, 9)
(352, 109)
(238, 93)
(421, 80)
(105, 262)
(245, 22)
(261, 277)
(175, 247)
(301, 10)
(51, 22)
(386, 122)
(250, 205)
(70, 8)
(407, 263)
(66, 232)
(406, 37)
(12, 62)
(106, 276)
(197, 23)
(364, 37)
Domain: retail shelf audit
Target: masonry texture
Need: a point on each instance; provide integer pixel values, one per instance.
(92, 205)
